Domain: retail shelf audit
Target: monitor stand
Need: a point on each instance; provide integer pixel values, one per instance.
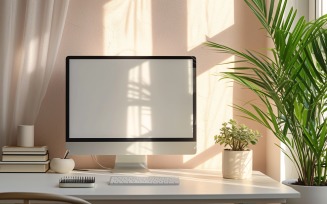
(130, 164)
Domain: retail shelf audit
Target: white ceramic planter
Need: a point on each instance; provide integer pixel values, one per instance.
(237, 164)
(62, 166)
(309, 194)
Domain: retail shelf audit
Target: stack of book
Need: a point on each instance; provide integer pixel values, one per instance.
(24, 159)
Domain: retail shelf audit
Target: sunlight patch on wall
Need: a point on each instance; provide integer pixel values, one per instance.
(214, 100)
(287, 168)
(207, 18)
(127, 27)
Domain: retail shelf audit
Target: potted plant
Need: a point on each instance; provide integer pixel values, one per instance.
(291, 83)
(237, 159)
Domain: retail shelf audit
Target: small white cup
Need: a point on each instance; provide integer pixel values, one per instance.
(25, 136)
(62, 166)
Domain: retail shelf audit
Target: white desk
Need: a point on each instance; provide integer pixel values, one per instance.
(196, 186)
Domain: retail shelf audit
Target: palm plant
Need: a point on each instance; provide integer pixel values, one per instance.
(291, 82)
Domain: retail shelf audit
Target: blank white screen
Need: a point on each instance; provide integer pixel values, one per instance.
(130, 98)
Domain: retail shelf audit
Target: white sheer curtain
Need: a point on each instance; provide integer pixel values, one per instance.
(30, 35)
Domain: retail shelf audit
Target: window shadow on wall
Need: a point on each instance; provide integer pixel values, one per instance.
(170, 37)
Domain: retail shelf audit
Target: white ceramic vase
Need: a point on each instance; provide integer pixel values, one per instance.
(237, 164)
(62, 166)
(309, 194)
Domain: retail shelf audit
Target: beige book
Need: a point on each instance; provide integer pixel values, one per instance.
(27, 167)
(24, 157)
(25, 152)
(25, 149)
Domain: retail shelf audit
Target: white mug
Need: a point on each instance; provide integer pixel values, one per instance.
(25, 136)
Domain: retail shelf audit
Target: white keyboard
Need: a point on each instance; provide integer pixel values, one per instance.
(143, 180)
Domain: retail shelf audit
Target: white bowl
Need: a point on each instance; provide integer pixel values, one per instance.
(62, 166)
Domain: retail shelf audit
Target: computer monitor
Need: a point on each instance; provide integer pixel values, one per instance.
(131, 105)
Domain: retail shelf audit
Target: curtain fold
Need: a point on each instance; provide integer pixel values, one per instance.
(30, 36)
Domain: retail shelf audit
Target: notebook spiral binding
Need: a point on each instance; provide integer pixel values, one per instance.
(77, 182)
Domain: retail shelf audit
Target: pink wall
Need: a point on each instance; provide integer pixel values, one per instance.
(161, 27)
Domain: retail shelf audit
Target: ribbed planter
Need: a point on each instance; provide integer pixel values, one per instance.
(309, 194)
(237, 164)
